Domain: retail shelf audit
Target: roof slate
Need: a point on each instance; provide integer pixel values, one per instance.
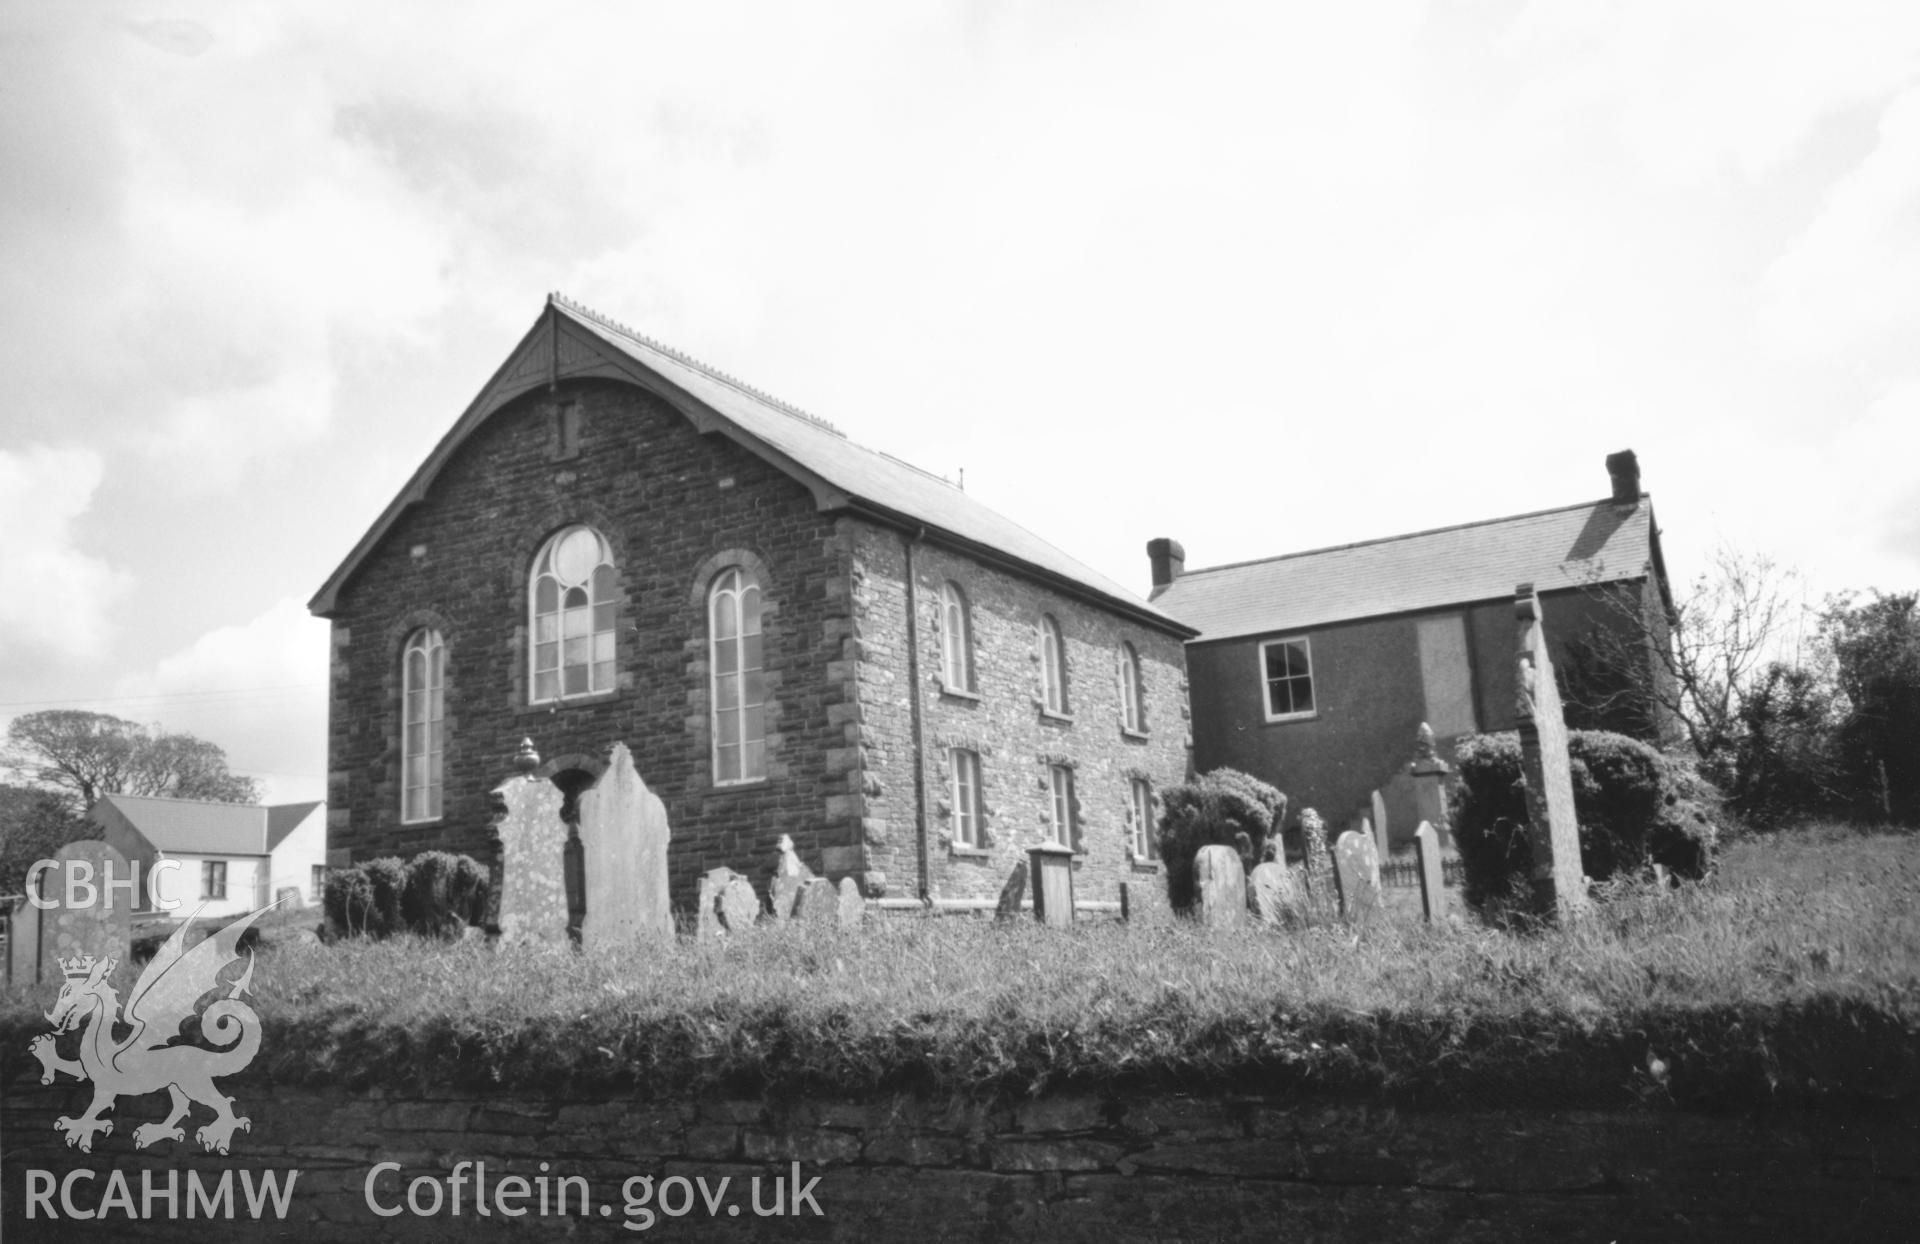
(841, 473)
(283, 819)
(1576, 546)
(200, 827)
(863, 473)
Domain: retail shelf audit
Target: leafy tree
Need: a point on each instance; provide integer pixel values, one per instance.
(34, 823)
(86, 755)
(1786, 759)
(1876, 650)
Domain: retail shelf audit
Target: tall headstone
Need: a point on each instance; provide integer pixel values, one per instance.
(1219, 887)
(623, 841)
(1433, 873)
(819, 902)
(1381, 841)
(1275, 893)
(1013, 894)
(1559, 884)
(92, 917)
(788, 874)
(1316, 851)
(1429, 774)
(1051, 868)
(853, 907)
(1356, 869)
(530, 855)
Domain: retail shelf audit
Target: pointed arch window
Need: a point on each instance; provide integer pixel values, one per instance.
(956, 639)
(572, 606)
(1053, 667)
(739, 678)
(423, 681)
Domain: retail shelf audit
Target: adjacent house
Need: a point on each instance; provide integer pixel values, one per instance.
(793, 635)
(231, 857)
(1315, 670)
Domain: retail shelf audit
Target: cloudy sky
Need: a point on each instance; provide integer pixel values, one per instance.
(1261, 276)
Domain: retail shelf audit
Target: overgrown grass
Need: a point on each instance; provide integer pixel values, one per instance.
(1792, 976)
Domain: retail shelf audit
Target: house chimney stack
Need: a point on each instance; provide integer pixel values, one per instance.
(1624, 467)
(1169, 559)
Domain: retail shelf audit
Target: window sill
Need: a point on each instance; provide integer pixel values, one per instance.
(1058, 719)
(578, 701)
(428, 820)
(1138, 736)
(969, 853)
(744, 784)
(1144, 864)
(957, 694)
(1284, 718)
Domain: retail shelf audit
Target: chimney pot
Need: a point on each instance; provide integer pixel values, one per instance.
(1168, 559)
(1624, 469)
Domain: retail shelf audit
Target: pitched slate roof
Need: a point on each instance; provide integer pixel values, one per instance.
(571, 341)
(283, 819)
(200, 827)
(1576, 546)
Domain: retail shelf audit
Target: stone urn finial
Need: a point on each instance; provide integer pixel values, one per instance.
(525, 758)
(1423, 742)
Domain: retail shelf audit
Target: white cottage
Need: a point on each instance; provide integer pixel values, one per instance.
(231, 857)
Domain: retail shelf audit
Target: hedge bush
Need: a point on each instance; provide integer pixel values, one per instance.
(1635, 808)
(435, 894)
(1225, 807)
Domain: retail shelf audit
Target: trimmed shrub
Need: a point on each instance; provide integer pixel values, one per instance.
(435, 894)
(348, 900)
(444, 894)
(388, 878)
(1224, 807)
(1635, 807)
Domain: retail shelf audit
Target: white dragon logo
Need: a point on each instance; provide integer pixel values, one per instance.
(145, 1061)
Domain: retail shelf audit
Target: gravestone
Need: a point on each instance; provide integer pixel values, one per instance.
(99, 923)
(530, 853)
(818, 903)
(713, 883)
(1356, 870)
(1381, 841)
(1315, 851)
(1145, 902)
(788, 874)
(623, 842)
(1013, 893)
(1559, 885)
(1274, 892)
(1433, 874)
(739, 905)
(852, 908)
(1050, 866)
(1429, 774)
(1219, 887)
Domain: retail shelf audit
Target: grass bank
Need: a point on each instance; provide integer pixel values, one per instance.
(1793, 977)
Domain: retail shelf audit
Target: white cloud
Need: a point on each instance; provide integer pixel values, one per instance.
(58, 600)
(1851, 281)
(257, 689)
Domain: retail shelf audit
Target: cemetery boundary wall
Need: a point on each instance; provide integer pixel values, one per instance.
(1112, 1167)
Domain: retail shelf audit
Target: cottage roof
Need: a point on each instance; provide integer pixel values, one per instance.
(1574, 546)
(201, 827)
(570, 341)
(283, 819)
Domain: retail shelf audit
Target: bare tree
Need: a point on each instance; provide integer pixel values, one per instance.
(1696, 669)
(86, 755)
